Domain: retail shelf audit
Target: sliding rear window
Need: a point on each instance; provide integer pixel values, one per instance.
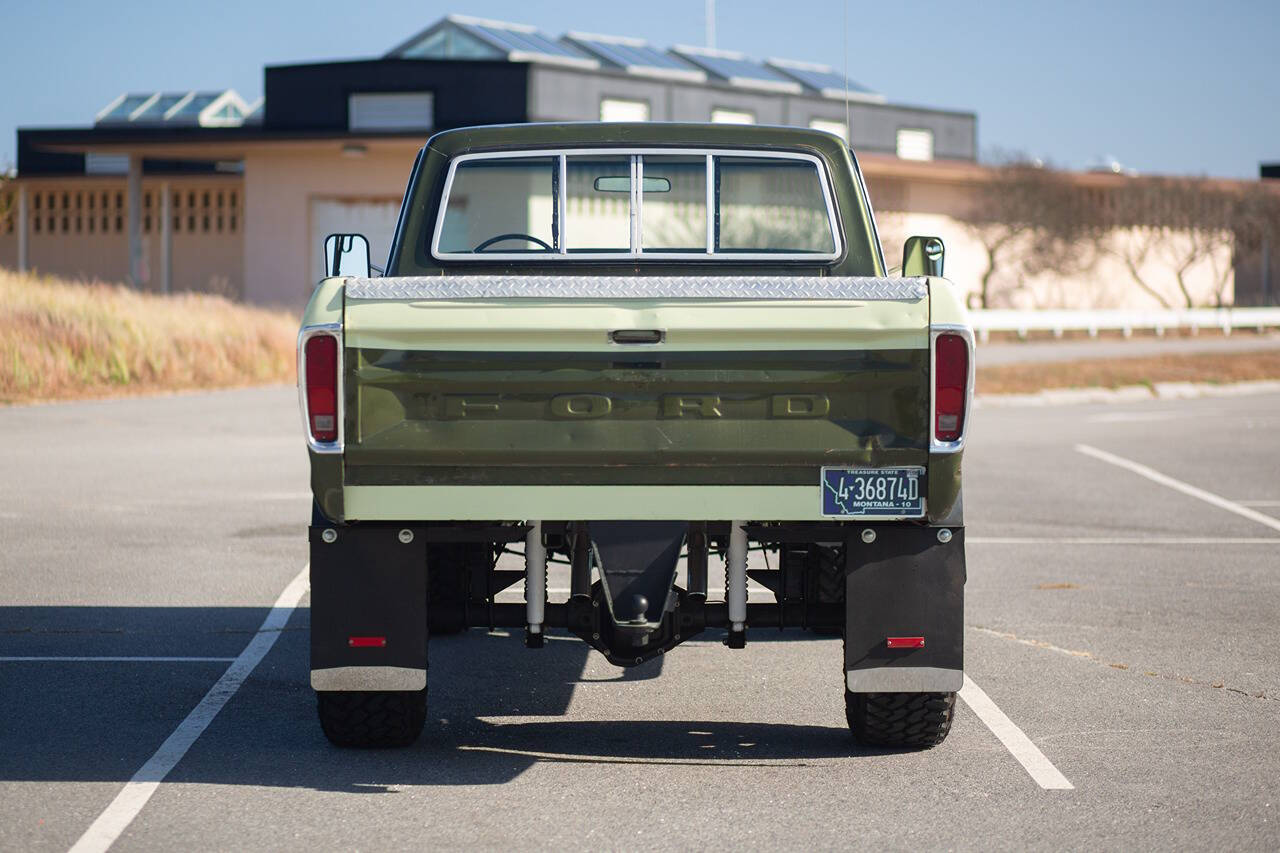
(610, 204)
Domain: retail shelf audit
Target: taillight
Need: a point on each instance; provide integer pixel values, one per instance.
(322, 387)
(950, 376)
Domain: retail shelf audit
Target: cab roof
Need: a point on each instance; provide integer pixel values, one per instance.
(522, 137)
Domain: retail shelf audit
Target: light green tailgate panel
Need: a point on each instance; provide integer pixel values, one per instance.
(493, 326)
(541, 325)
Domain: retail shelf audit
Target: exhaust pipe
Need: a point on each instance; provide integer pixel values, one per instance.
(535, 584)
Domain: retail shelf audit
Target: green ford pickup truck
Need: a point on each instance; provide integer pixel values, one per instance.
(637, 350)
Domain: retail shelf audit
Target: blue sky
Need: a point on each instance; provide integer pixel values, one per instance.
(1171, 87)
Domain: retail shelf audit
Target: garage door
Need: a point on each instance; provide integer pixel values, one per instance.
(375, 219)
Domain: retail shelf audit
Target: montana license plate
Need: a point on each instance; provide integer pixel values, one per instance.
(872, 492)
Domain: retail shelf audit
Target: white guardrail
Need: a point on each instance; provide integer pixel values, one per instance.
(1059, 321)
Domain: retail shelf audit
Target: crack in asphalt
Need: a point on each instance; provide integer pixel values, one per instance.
(1090, 656)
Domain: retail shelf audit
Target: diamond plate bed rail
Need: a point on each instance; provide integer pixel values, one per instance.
(638, 287)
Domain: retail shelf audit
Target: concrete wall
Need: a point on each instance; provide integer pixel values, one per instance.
(77, 229)
(281, 179)
(905, 208)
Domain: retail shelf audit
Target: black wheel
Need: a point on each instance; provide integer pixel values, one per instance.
(454, 572)
(910, 720)
(368, 720)
(824, 584)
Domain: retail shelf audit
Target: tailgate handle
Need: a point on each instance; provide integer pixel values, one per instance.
(637, 336)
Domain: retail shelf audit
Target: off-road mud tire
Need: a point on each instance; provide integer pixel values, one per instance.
(449, 566)
(904, 720)
(372, 720)
(825, 584)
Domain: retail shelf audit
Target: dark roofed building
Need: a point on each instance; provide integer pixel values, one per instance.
(201, 190)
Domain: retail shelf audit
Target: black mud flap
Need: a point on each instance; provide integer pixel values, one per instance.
(368, 608)
(904, 611)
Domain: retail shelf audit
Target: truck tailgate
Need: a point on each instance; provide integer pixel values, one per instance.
(520, 381)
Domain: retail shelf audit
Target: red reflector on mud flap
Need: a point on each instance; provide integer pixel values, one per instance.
(322, 387)
(366, 642)
(950, 378)
(905, 642)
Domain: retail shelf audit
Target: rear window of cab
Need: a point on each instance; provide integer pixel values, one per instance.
(606, 204)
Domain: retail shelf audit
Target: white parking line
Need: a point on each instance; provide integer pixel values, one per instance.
(1041, 769)
(1122, 540)
(1178, 485)
(108, 659)
(125, 807)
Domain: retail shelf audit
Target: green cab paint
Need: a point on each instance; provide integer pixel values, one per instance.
(504, 408)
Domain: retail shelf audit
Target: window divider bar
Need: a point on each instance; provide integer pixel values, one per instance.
(711, 205)
(635, 204)
(561, 207)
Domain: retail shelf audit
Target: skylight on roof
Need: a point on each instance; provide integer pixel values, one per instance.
(738, 69)
(636, 56)
(204, 109)
(465, 37)
(824, 79)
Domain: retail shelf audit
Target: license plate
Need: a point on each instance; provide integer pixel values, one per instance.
(872, 493)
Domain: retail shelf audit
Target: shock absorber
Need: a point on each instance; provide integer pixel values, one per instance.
(535, 584)
(735, 584)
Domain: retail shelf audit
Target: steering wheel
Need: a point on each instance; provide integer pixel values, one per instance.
(514, 236)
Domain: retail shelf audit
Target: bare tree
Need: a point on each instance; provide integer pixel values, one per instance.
(1029, 218)
(1178, 224)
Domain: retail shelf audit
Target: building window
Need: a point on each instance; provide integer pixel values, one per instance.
(36, 222)
(106, 224)
(92, 222)
(191, 223)
(66, 225)
(390, 111)
(830, 126)
(79, 224)
(620, 109)
(725, 116)
(119, 224)
(119, 200)
(79, 200)
(146, 223)
(915, 143)
(177, 225)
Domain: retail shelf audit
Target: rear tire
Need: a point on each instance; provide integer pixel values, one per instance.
(906, 720)
(371, 720)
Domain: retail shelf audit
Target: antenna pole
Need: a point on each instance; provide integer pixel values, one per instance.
(711, 23)
(848, 131)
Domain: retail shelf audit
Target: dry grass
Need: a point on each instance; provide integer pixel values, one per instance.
(1121, 372)
(64, 340)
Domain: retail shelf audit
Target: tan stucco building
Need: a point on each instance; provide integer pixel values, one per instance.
(204, 192)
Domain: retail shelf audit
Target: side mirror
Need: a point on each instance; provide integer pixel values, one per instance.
(922, 256)
(346, 254)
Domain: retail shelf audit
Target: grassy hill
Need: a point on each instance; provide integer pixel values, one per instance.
(62, 340)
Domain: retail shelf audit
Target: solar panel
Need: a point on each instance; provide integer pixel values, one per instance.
(636, 56)
(738, 69)
(520, 41)
(824, 79)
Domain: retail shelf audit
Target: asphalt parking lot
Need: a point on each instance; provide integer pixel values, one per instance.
(1122, 604)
